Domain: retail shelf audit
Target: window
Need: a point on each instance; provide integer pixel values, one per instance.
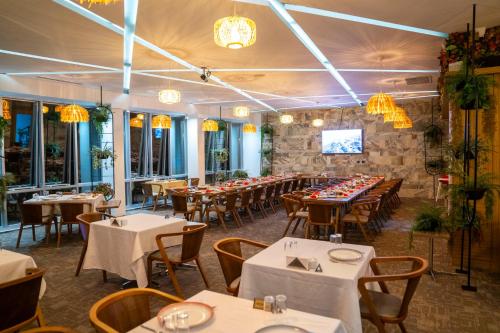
(235, 161)
(136, 128)
(54, 138)
(178, 146)
(160, 151)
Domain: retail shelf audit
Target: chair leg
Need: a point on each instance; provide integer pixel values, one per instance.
(173, 278)
(155, 201)
(287, 226)
(296, 225)
(143, 202)
(59, 235)
(402, 327)
(104, 276)
(39, 317)
(272, 205)
(362, 228)
(221, 220)
(19, 235)
(149, 270)
(236, 218)
(202, 272)
(307, 231)
(33, 232)
(250, 213)
(82, 256)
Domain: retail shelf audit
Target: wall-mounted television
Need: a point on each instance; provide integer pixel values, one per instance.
(348, 141)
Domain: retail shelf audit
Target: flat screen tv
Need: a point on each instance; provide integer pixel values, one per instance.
(349, 141)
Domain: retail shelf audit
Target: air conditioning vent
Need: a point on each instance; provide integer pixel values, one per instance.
(418, 80)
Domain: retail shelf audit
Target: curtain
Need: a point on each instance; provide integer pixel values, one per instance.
(69, 175)
(163, 163)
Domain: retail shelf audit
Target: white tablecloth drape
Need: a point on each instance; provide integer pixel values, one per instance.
(332, 293)
(13, 266)
(122, 250)
(237, 315)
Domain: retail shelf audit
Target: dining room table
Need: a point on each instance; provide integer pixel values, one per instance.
(121, 246)
(13, 265)
(52, 201)
(164, 185)
(331, 291)
(228, 314)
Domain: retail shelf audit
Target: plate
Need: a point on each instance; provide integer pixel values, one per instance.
(53, 196)
(281, 328)
(79, 197)
(199, 313)
(345, 254)
(48, 198)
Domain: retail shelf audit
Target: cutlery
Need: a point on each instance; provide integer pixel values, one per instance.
(148, 328)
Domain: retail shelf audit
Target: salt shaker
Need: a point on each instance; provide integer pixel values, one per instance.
(269, 303)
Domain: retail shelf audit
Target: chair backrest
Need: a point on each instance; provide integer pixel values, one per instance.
(20, 299)
(295, 183)
(231, 200)
(286, 186)
(290, 203)
(194, 181)
(269, 191)
(147, 189)
(246, 195)
(277, 189)
(192, 237)
(319, 213)
(230, 258)
(86, 219)
(179, 202)
(70, 210)
(301, 184)
(31, 214)
(257, 194)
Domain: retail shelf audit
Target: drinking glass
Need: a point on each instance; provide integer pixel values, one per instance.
(182, 322)
(280, 303)
(170, 322)
(45, 193)
(338, 240)
(73, 191)
(35, 196)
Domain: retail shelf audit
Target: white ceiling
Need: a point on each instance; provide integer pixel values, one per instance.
(185, 28)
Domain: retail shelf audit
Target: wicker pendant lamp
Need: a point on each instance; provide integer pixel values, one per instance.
(98, 2)
(399, 114)
(380, 104)
(136, 122)
(249, 128)
(161, 121)
(235, 32)
(405, 123)
(74, 113)
(6, 110)
(209, 125)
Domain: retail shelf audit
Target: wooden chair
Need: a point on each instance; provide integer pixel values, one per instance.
(148, 192)
(231, 260)
(69, 212)
(33, 215)
(85, 220)
(124, 310)
(294, 212)
(229, 206)
(257, 200)
(192, 237)
(19, 302)
(286, 186)
(383, 307)
(245, 201)
(295, 184)
(181, 205)
(106, 206)
(278, 186)
(319, 215)
(194, 181)
(360, 217)
(268, 196)
(50, 329)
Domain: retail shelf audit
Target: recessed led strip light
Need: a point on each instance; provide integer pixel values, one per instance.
(119, 30)
(130, 19)
(282, 13)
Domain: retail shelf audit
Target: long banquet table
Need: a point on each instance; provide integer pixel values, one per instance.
(236, 315)
(122, 250)
(331, 293)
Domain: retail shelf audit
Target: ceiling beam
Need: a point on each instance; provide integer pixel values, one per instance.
(130, 19)
(278, 8)
(352, 18)
(119, 30)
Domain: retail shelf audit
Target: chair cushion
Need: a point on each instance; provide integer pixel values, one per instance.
(300, 214)
(387, 305)
(173, 253)
(352, 219)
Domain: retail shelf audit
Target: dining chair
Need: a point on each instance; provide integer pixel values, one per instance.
(245, 201)
(319, 215)
(69, 212)
(360, 219)
(295, 184)
(106, 206)
(181, 205)
(277, 193)
(231, 260)
(124, 310)
(149, 192)
(192, 237)
(286, 186)
(382, 307)
(50, 329)
(228, 206)
(194, 181)
(294, 212)
(257, 200)
(19, 301)
(85, 220)
(268, 196)
(33, 215)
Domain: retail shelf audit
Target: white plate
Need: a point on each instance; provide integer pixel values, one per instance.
(199, 313)
(281, 328)
(79, 196)
(48, 198)
(345, 254)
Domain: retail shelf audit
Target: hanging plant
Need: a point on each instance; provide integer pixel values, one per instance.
(433, 134)
(53, 150)
(5, 181)
(240, 174)
(266, 129)
(100, 157)
(221, 155)
(435, 166)
(220, 176)
(222, 125)
(3, 125)
(106, 190)
(465, 87)
(265, 172)
(100, 115)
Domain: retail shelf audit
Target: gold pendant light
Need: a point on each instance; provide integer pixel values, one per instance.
(399, 114)
(405, 123)
(98, 2)
(169, 96)
(318, 122)
(136, 122)
(161, 121)
(74, 113)
(241, 111)
(380, 104)
(6, 110)
(286, 119)
(235, 32)
(59, 108)
(45, 109)
(209, 125)
(249, 128)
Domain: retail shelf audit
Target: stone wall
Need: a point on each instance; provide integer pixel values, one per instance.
(393, 153)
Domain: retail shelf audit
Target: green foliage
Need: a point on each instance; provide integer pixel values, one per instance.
(267, 153)
(53, 150)
(105, 189)
(430, 218)
(100, 115)
(221, 155)
(437, 165)
(265, 172)
(100, 157)
(5, 181)
(222, 125)
(464, 87)
(240, 174)
(221, 176)
(266, 129)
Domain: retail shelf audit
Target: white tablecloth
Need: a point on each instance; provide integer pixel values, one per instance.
(13, 266)
(90, 201)
(236, 315)
(332, 293)
(122, 250)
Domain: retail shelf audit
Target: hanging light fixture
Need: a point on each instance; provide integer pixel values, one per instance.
(286, 119)
(318, 122)
(74, 113)
(235, 32)
(136, 122)
(405, 123)
(399, 114)
(59, 108)
(380, 104)
(140, 116)
(6, 110)
(209, 125)
(98, 2)
(249, 128)
(241, 111)
(45, 109)
(169, 96)
(161, 121)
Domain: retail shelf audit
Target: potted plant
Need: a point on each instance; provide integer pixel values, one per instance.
(430, 220)
(222, 125)
(267, 129)
(106, 190)
(100, 116)
(240, 174)
(53, 150)
(100, 157)
(266, 153)
(438, 165)
(465, 87)
(221, 155)
(220, 176)
(265, 172)
(433, 134)
(5, 181)
(485, 188)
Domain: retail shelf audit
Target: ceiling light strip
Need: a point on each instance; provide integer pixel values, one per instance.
(62, 73)
(282, 13)
(108, 24)
(130, 19)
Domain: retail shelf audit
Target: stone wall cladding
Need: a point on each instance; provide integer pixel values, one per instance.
(393, 153)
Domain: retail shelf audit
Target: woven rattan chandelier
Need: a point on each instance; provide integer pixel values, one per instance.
(241, 111)
(98, 2)
(45, 109)
(136, 122)
(405, 123)
(235, 32)
(74, 113)
(399, 114)
(59, 108)
(6, 110)
(286, 119)
(161, 121)
(249, 128)
(380, 104)
(169, 96)
(209, 125)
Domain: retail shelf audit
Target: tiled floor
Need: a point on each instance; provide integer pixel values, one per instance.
(438, 306)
